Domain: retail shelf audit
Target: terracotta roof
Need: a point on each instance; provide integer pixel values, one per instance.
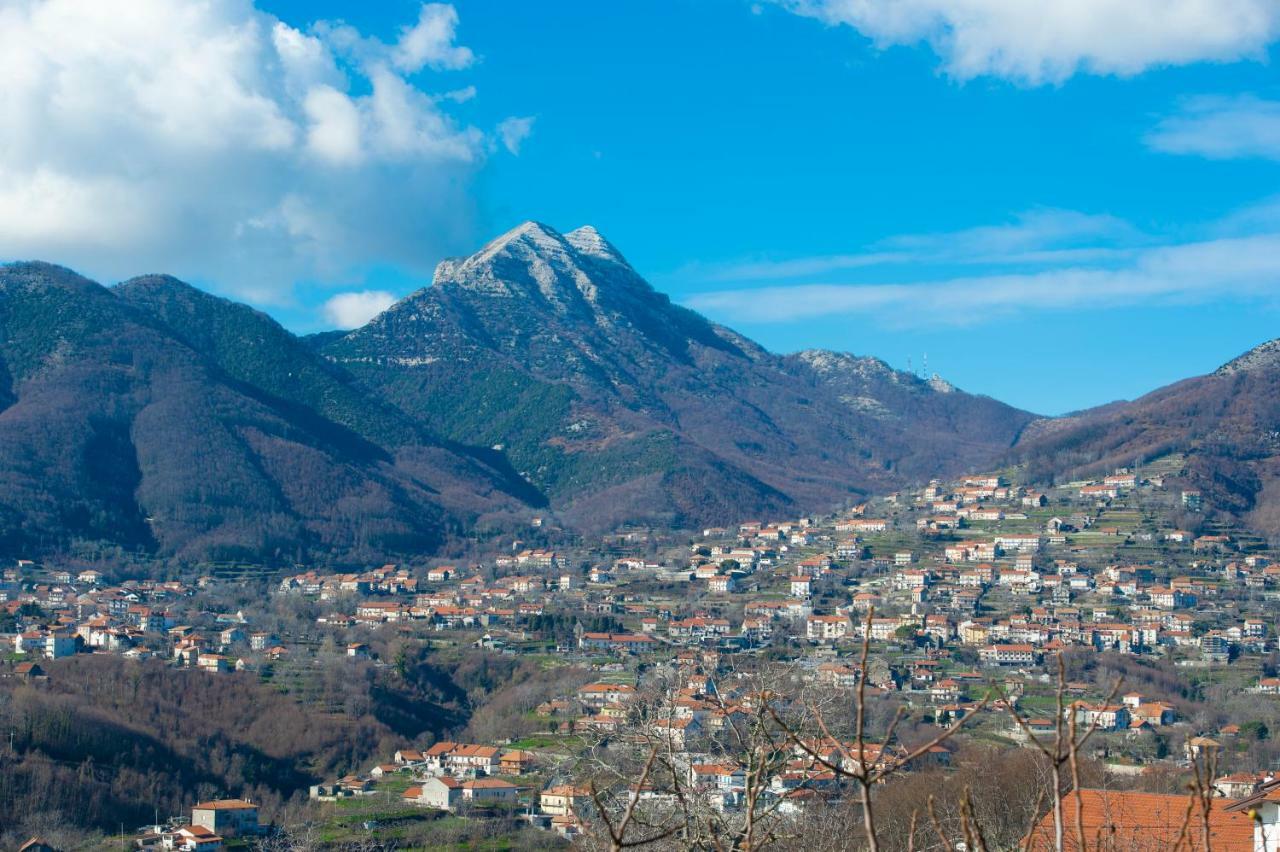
(489, 784)
(567, 790)
(1143, 822)
(225, 805)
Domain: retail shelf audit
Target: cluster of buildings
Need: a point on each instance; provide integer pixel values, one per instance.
(948, 590)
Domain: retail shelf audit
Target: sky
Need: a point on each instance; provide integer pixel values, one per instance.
(1058, 204)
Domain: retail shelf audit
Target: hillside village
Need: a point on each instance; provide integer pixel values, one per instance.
(982, 612)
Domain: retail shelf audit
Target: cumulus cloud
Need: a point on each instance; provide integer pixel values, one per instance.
(352, 310)
(1048, 41)
(431, 42)
(219, 143)
(513, 131)
(1238, 258)
(1221, 128)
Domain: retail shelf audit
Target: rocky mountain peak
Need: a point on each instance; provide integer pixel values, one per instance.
(590, 242)
(828, 363)
(1263, 357)
(535, 262)
(940, 384)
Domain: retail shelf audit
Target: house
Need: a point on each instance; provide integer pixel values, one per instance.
(629, 643)
(442, 793)
(1197, 747)
(1113, 820)
(1262, 809)
(1099, 492)
(489, 790)
(722, 584)
(231, 636)
(407, 757)
(192, 837)
(827, 628)
(59, 644)
(971, 551)
(563, 799)
(214, 663)
(1007, 655)
(838, 676)
(717, 776)
(1121, 480)
(1154, 714)
(226, 817)
(677, 732)
(515, 762)
(28, 671)
(1210, 542)
(910, 579)
(445, 792)
(1018, 542)
(1238, 785)
(458, 758)
(1103, 717)
(862, 525)
(598, 695)
(327, 792)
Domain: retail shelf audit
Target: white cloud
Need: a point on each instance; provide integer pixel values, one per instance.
(352, 310)
(1050, 40)
(1221, 128)
(431, 41)
(1233, 261)
(1033, 238)
(460, 96)
(334, 134)
(216, 142)
(513, 131)
(307, 61)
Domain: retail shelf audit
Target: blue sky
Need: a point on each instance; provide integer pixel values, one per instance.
(1057, 210)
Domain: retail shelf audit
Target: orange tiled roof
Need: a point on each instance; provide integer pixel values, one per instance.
(1142, 822)
(225, 805)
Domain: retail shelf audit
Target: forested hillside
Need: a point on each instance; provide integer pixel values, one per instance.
(217, 437)
(107, 740)
(1227, 424)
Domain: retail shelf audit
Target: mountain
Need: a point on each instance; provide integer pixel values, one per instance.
(622, 406)
(1226, 423)
(160, 420)
(254, 349)
(154, 418)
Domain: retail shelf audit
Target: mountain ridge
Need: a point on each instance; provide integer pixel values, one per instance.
(542, 372)
(120, 433)
(570, 319)
(1226, 423)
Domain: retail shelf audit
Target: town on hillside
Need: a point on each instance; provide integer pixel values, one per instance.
(1110, 642)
